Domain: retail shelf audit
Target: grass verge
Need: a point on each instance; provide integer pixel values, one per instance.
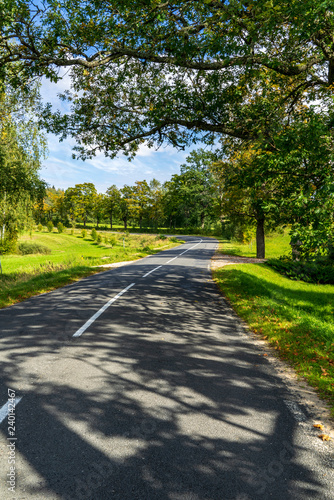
(72, 257)
(294, 317)
(276, 245)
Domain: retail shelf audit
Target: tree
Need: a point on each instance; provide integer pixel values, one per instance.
(22, 147)
(80, 201)
(99, 207)
(112, 203)
(125, 204)
(171, 71)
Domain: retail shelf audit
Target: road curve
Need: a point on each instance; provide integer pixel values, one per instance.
(139, 383)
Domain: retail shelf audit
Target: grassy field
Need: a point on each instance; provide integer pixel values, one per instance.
(72, 257)
(276, 245)
(294, 317)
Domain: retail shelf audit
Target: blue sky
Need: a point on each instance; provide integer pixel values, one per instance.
(61, 171)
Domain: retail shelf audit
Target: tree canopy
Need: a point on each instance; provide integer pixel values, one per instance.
(172, 71)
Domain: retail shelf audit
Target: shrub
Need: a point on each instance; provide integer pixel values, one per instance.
(83, 233)
(72, 232)
(49, 226)
(60, 227)
(99, 239)
(106, 240)
(112, 240)
(161, 237)
(93, 234)
(26, 248)
(317, 271)
(40, 227)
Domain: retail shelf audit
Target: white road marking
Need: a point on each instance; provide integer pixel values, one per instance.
(98, 313)
(171, 260)
(151, 271)
(4, 409)
(84, 327)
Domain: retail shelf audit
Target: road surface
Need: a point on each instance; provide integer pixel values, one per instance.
(139, 383)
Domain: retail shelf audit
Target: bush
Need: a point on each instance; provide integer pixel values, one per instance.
(112, 240)
(60, 227)
(8, 245)
(93, 234)
(99, 239)
(161, 237)
(40, 228)
(317, 271)
(106, 240)
(49, 226)
(83, 233)
(26, 248)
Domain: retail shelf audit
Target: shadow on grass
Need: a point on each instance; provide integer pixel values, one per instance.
(16, 287)
(297, 317)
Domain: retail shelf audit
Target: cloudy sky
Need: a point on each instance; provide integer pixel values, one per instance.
(61, 171)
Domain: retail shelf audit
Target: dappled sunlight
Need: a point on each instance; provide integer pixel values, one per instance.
(165, 398)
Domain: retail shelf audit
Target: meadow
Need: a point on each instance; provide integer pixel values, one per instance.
(72, 257)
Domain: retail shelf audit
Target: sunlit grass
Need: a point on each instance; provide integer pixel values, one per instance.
(276, 245)
(295, 317)
(72, 257)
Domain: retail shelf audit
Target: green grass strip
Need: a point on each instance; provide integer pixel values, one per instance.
(295, 317)
(72, 257)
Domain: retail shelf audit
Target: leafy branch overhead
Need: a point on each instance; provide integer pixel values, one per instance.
(170, 71)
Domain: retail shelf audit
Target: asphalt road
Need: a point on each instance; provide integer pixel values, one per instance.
(161, 395)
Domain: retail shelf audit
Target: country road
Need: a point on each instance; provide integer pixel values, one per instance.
(139, 383)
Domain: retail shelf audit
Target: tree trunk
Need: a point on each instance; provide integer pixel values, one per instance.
(125, 223)
(110, 219)
(260, 240)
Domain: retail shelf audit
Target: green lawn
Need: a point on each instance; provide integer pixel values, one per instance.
(295, 317)
(276, 245)
(72, 257)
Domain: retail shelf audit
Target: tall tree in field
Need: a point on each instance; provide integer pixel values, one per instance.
(126, 204)
(156, 214)
(80, 201)
(198, 186)
(112, 203)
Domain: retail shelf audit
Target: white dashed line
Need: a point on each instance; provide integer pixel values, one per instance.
(4, 409)
(98, 313)
(151, 271)
(84, 327)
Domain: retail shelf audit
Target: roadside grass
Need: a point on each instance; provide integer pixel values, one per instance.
(296, 318)
(276, 245)
(72, 257)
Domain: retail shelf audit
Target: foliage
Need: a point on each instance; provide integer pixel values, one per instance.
(26, 248)
(80, 201)
(60, 227)
(83, 233)
(40, 228)
(93, 234)
(99, 239)
(318, 271)
(22, 147)
(49, 226)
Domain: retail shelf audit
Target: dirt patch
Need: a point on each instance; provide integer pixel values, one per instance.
(220, 260)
